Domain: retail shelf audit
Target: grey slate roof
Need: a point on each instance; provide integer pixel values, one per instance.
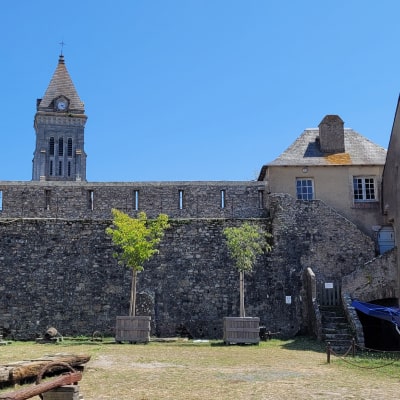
(61, 84)
(305, 151)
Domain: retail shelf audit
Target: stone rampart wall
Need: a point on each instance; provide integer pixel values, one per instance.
(77, 200)
(60, 271)
(374, 280)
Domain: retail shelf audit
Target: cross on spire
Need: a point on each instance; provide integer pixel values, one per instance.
(62, 44)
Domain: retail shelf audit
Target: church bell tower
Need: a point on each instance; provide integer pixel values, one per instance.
(60, 125)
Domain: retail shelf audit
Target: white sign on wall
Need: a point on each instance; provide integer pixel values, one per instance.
(288, 299)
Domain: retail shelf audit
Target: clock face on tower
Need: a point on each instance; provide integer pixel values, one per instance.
(61, 104)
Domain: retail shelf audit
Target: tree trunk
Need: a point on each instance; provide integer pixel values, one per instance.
(241, 277)
(13, 373)
(132, 303)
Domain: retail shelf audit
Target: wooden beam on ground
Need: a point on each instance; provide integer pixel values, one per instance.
(22, 371)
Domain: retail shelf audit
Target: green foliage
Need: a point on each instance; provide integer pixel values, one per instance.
(136, 238)
(245, 243)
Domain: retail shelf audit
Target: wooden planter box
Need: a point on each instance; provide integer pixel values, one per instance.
(132, 329)
(242, 330)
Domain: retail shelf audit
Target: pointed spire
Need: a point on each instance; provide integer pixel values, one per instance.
(61, 85)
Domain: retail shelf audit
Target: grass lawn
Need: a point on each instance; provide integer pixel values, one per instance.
(294, 369)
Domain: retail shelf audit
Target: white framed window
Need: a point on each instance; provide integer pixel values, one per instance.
(364, 189)
(1, 200)
(304, 189)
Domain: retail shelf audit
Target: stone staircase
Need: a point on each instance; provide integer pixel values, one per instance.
(335, 328)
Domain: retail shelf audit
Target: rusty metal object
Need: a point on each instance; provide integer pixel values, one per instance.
(69, 378)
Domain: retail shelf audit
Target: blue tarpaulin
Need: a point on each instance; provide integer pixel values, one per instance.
(391, 314)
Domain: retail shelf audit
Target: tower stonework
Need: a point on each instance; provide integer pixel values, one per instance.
(59, 125)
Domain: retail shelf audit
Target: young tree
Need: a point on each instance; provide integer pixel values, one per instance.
(137, 239)
(244, 244)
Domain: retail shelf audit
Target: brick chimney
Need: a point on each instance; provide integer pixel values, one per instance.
(331, 134)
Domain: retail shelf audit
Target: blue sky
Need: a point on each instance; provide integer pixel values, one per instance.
(197, 89)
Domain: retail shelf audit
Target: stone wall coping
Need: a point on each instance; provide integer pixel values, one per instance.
(132, 183)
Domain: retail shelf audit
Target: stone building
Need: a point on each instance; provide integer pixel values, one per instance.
(333, 164)
(391, 191)
(57, 263)
(359, 180)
